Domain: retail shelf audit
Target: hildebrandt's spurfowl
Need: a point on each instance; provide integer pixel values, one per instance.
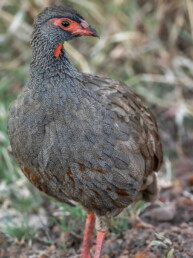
(80, 137)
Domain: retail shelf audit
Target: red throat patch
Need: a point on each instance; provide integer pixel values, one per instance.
(58, 50)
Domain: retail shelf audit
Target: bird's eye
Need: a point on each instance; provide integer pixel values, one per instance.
(65, 23)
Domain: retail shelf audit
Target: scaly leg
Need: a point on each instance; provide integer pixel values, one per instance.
(100, 239)
(102, 224)
(87, 240)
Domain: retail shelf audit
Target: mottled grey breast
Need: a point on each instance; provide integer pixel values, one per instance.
(86, 142)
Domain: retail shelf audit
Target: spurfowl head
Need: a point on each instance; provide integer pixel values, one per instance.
(62, 23)
(57, 24)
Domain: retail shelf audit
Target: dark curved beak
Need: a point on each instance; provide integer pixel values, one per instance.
(85, 30)
(91, 32)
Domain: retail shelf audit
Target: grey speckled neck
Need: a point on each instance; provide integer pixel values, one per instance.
(45, 65)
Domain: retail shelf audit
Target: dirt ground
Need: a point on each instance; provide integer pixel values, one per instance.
(168, 231)
(173, 222)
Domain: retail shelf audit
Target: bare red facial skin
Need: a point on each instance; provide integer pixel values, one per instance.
(74, 27)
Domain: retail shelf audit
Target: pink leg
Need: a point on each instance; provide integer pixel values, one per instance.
(87, 240)
(100, 239)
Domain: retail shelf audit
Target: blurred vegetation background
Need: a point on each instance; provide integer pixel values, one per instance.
(145, 43)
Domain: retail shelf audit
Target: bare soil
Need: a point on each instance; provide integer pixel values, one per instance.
(172, 219)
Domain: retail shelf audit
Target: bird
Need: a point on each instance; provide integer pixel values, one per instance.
(78, 137)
